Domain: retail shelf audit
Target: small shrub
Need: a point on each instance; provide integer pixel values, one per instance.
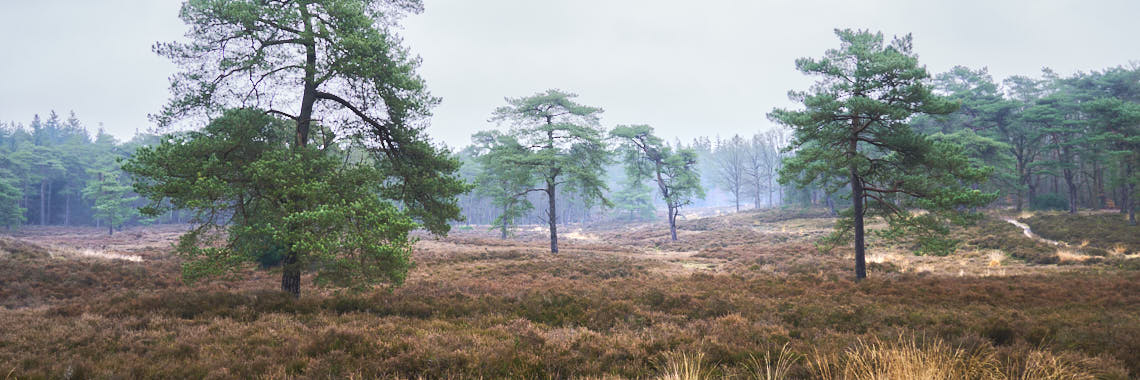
(1051, 201)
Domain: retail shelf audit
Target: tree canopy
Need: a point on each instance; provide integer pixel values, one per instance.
(673, 170)
(333, 61)
(855, 130)
(239, 175)
(561, 146)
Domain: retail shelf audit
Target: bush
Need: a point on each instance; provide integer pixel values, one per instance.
(1051, 201)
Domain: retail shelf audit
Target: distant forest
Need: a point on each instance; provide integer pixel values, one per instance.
(1054, 143)
(54, 171)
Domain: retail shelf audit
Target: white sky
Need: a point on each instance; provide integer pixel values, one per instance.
(688, 68)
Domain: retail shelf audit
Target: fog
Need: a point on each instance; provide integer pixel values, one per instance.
(687, 68)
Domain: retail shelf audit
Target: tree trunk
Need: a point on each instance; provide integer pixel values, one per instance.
(857, 199)
(1072, 187)
(1130, 198)
(1102, 199)
(290, 274)
(1131, 205)
(49, 202)
(1032, 191)
(831, 205)
(503, 225)
(771, 202)
(1020, 201)
(67, 210)
(553, 214)
(673, 222)
(43, 203)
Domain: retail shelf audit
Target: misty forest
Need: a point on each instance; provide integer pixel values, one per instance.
(287, 213)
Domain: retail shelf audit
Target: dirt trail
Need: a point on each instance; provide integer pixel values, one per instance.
(1029, 233)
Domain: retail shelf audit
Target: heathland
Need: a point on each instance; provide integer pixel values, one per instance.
(740, 295)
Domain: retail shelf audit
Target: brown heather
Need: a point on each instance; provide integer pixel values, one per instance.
(746, 296)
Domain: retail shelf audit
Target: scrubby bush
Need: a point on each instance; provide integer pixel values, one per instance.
(1050, 201)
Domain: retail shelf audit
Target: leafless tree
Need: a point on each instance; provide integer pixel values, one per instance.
(731, 166)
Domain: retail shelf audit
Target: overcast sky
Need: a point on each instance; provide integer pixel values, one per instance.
(688, 68)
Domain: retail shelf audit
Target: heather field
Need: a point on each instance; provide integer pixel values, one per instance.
(740, 296)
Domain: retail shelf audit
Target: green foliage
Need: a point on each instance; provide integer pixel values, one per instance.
(240, 175)
(47, 164)
(554, 142)
(634, 200)
(114, 202)
(673, 170)
(561, 141)
(855, 130)
(1050, 201)
(343, 63)
(11, 214)
(498, 178)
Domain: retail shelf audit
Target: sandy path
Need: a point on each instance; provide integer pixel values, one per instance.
(1029, 232)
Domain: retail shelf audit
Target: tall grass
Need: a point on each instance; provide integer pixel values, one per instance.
(684, 366)
(777, 366)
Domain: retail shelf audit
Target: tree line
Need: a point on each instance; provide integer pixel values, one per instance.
(554, 152)
(314, 156)
(53, 171)
(1055, 142)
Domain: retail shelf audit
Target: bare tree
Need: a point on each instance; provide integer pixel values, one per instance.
(755, 171)
(732, 164)
(773, 142)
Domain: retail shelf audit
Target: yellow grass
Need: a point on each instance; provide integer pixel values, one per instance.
(684, 366)
(1069, 256)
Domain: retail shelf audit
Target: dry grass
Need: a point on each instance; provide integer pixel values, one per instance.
(1070, 256)
(684, 366)
(774, 366)
(632, 305)
(908, 358)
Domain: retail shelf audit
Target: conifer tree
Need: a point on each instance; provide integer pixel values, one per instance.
(855, 125)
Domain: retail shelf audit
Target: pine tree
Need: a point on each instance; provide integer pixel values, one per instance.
(113, 200)
(344, 66)
(672, 169)
(855, 124)
(560, 145)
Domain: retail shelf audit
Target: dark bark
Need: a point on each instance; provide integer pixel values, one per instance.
(1072, 189)
(553, 214)
(673, 222)
(1102, 198)
(1022, 178)
(1131, 206)
(291, 275)
(857, 199)
(43, 202)
(1032, 190)
(1132, 203)
(503, 225)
